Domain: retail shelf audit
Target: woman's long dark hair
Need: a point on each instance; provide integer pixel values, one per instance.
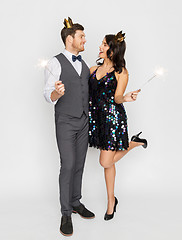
(115, 53)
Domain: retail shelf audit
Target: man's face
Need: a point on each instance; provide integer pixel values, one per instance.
(79, 41)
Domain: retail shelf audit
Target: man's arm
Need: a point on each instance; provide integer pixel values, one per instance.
(54, 88)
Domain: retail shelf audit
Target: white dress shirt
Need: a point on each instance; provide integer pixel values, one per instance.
(53, 71)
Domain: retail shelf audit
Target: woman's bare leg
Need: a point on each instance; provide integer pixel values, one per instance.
(121, 153)
(107, 160)
(110, 174)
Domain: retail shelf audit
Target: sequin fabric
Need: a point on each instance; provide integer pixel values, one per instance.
(107, 120)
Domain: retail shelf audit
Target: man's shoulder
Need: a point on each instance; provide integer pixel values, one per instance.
(53, 61)
(58, 55)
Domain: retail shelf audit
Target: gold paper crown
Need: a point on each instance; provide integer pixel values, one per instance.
(119, 37)
(68, 23)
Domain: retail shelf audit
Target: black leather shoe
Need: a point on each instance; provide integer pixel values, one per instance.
(136, 138)
(110, 216)
(66, 227)
(84, 213)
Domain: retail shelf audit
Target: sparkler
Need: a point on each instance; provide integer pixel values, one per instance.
(43, 63)
(157, 73)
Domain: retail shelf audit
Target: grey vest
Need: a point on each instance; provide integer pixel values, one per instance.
(75, 100)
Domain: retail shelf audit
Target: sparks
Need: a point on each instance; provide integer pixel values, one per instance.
(42, 63)
(159, 71)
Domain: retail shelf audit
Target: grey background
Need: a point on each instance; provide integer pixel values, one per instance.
(148, 182)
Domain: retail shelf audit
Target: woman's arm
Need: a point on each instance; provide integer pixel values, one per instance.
(122, 81)
(119, 96)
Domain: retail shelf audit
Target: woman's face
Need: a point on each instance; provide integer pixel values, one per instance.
(103, 49)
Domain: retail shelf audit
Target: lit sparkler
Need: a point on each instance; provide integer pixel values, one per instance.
(43, 63)
(157, 73)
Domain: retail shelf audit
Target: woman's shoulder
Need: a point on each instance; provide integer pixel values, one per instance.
(92, 69)
(124, 73)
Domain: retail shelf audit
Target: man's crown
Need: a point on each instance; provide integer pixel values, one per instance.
(68, 23)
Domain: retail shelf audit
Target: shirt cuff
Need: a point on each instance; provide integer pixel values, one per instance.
(47, 96)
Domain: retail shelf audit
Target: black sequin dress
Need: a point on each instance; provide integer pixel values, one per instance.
(107, 120)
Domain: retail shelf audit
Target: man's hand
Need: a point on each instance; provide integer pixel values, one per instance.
(58, 92)
(59, 87)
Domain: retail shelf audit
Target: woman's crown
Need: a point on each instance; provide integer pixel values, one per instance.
(119, 37)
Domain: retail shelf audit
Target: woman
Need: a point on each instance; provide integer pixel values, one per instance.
(107, 116)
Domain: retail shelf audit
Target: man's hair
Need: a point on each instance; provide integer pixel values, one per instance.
(70, 31)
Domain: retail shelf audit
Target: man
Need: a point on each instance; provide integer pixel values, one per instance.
(66, 86)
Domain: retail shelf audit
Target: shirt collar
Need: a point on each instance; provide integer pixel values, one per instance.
(68, 54)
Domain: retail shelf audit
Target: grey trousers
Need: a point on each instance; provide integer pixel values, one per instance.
(72, 141)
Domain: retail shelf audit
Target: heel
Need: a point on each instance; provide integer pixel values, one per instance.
(138, 134)
(116, 202)
(136, 138)
(110, 216)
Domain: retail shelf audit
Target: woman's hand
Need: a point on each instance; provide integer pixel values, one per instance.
(131, 96)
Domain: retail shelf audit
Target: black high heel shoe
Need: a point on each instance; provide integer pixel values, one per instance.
(136, 138)
(110, 216)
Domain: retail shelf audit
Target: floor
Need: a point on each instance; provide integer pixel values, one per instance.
(137, 218)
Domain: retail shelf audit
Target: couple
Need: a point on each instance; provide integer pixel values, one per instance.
(101, 120)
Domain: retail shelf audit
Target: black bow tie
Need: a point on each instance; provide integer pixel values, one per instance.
(74, 58)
